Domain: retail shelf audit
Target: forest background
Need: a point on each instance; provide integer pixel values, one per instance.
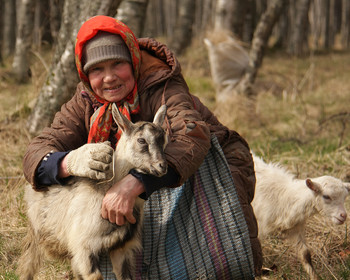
(291, 102)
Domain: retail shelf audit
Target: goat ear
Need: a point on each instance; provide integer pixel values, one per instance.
(313, 186)
(123, 123)
(160, 115)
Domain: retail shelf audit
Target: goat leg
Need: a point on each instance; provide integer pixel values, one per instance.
(304, 255)
(85, 265)
(29, 262)
(124, 263)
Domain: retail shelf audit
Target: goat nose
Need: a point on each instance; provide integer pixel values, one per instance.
(343, 215)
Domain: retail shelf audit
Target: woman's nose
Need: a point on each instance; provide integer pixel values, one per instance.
(109, 75)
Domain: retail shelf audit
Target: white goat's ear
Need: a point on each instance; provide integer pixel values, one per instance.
(123, 123)
(313, 186)
(160, 115)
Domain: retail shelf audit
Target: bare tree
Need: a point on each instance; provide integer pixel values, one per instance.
(345, 24)
(316, 22)
(42, 24)
(62, 77)
(9, 25)
(1, 29)
(182, 37)
(223, 12)
(133, 14)
(298, 42)
(281, 30)
(56, 8)
(154, 24)
(326, 4)
(250, 21)
(20, 65)
(205, 16)
(237, 20)
(333, 26)
(259, 42)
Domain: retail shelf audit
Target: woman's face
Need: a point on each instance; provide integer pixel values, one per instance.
(111, 80)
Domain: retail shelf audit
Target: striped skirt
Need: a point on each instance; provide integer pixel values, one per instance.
(196, 231)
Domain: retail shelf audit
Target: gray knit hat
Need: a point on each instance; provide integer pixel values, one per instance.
(104, 46)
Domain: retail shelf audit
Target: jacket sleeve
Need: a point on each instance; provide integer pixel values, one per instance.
(68, 131)
(189, 135)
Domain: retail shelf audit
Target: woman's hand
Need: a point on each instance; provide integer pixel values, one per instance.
(91, 160)
(119, 201)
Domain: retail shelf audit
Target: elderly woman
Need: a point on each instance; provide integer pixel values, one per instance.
(139, 76)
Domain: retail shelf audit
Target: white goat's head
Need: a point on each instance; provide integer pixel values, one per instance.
(330, 196)
(142, 144)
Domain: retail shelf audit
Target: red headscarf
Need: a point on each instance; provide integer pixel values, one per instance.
(102, 120)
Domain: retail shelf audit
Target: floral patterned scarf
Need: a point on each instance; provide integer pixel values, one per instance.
(102, 120)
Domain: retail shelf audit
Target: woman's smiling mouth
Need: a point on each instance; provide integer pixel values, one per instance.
(115, 88)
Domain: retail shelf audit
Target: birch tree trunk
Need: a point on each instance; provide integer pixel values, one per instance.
(298, 42)
(281, 29)
(154, 22)
(332, 24)
(170, 10)
(325, 28)
(42, 24)
(37, 25)
(20, 65)
(223, 12)
(237, 18)
(249, 21)
(183, 29)
(316, 22)
(1, 29)
(230, 15)
(133, 14)
(259, 42)
(56, 8)
(9, 23)
(208, 16)
(62, 78)
(345, 24)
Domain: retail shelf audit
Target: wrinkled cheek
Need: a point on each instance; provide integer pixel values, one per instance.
(96, 84)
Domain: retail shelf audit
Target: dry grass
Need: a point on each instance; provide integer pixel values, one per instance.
(15, 101)
(299, 117)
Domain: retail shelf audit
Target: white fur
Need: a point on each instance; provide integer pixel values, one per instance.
(65, 221)
(283, 203)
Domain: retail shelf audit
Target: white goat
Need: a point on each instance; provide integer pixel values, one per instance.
(66, 221)
(282, 204)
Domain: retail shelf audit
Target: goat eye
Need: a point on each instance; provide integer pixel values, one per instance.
(142, 141)
(326, 197)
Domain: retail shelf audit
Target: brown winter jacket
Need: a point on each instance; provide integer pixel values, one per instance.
(189, 125)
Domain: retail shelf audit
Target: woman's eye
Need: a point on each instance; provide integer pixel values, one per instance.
(118, 64)
(94, 69)
(141, 141)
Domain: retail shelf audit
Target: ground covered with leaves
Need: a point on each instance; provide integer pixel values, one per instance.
(299, 117)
